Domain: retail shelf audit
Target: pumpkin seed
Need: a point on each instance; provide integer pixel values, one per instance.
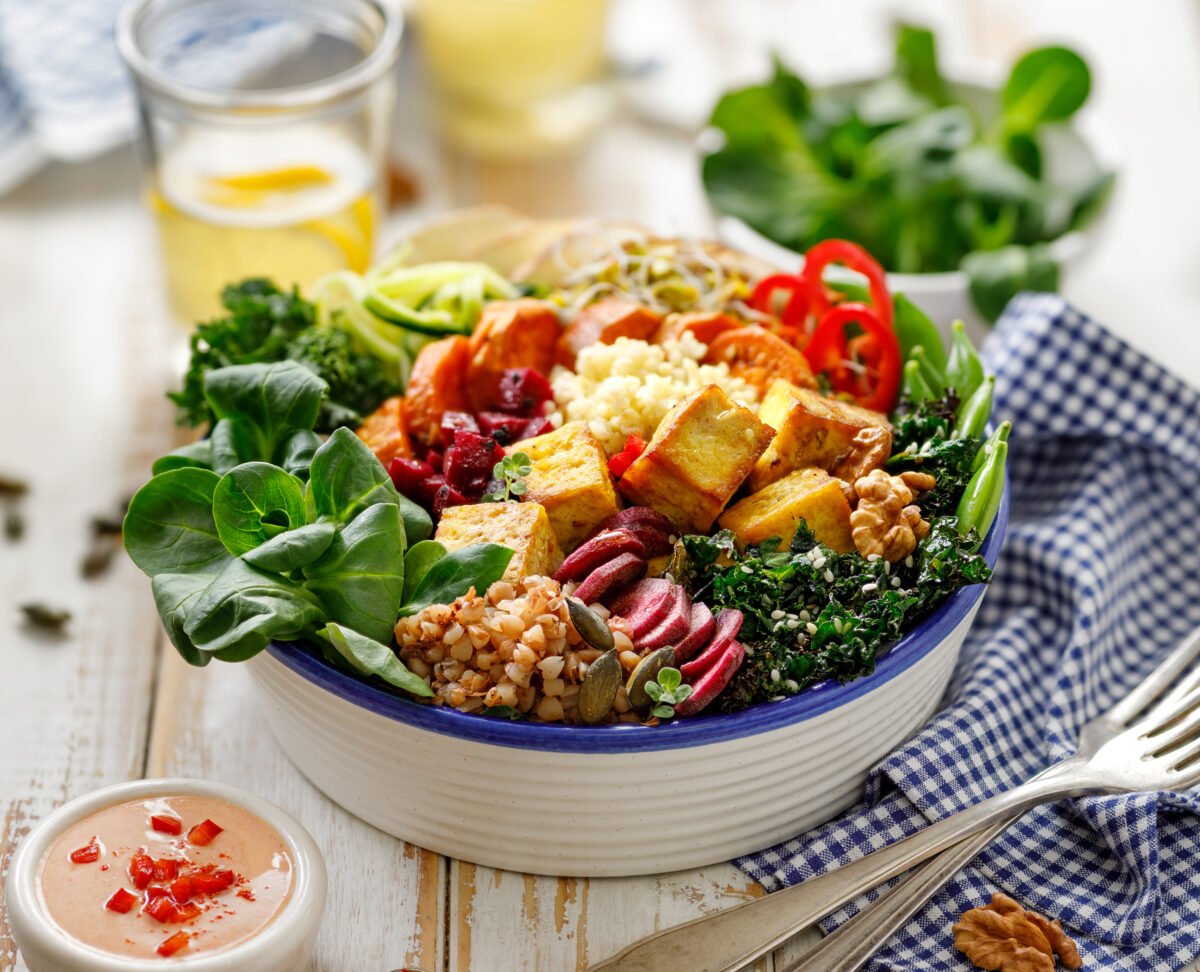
(46, 618)
(590, 625)
(645, 672)
(599, 687)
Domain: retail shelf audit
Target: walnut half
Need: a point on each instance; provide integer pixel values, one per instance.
(885, 521)
(1003, 937)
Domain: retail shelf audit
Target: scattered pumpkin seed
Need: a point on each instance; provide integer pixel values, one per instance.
(646, 671)
(590, 625)
(14, 525)
(12, 487)
(45, 617)
(599, 687)
(98, 558)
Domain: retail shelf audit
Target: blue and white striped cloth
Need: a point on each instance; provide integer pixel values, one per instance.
(1099, 577)
(64, 92)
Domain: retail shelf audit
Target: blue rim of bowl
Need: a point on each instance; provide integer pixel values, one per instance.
(306, 661)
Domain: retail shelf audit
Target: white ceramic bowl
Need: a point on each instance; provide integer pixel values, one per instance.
(1076, 151)
(609, 800)
(283, 946)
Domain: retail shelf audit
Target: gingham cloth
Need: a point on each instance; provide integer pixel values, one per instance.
(1099, 577)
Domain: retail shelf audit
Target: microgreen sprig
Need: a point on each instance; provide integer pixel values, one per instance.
(510, 473)
(667, 691)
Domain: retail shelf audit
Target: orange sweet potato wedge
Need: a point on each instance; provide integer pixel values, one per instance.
(603, 322)
(759, 357)
(703, 326)
(510, 334)
(386, 431)
(437, 385)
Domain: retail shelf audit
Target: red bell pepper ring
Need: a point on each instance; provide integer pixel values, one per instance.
(619, 464)
(867, 367)
(856, 258)
(794, 311)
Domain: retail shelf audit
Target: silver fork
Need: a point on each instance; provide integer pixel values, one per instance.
(1160, 751)
(849, 946)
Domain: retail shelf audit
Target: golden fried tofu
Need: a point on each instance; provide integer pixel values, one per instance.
(701, 452)
(524, 527)
(570, 479)
(811, 495)
(810, 430)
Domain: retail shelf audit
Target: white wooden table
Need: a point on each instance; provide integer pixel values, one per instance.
(86, 350)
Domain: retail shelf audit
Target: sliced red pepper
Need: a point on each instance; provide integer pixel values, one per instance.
(89, 853)
(183, 888)
(161, 908)
(867, 366)
(619, 464)
(175, 943)
(856, 258)
(121, 901)
(141, 869)
(799, 294)
(166, 869)
(203, 833)
(166, 824)
(213, 883)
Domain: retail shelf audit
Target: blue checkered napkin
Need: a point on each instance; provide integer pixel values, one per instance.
(1097, 580)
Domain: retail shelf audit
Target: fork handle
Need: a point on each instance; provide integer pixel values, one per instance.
(727, 940)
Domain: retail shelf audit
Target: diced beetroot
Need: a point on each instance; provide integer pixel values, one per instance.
(621, 570)
(700, 632)
(121, 901)
(446, 496)
(523, 391)
(505, 429)
(643, 589)
(204, 833)
(175, 943)
(141, 869)
(469, 462)
(408, 475)
(453, 422)
(728, 624)
(672, 627)
(599, 550)
(712, 683)
(539, 425)
(436, 459)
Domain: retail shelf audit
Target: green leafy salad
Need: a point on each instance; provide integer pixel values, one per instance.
(924, 179)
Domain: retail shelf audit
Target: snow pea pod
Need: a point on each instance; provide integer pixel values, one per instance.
(915, 388)
(973, 414)
(964, 369)
(914, 327)
(981, 499)
(931, 373)
(1000, 435)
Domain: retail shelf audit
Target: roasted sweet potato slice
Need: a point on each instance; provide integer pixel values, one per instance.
(510, 334)
(386, 431)
(703, 326)
(437, 385)
(759, 357)
(603, 322)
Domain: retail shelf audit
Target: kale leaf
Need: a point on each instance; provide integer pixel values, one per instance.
(812, 613)
(265, 324)
(922, 441)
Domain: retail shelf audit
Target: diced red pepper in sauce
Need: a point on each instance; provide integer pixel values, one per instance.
(166, 869)
(203, 833)
(161, 908)
(183, 888)
(212, 883)
(175, 943)
(166, 825)
(185, 913)
(141, 870)
(89, 853)
(121, 901)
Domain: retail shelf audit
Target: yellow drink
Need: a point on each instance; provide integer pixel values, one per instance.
(513, 75)
(289, 206)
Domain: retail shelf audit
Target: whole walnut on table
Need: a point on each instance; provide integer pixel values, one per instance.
(1003, 937)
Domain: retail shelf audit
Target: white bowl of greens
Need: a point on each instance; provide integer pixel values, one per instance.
(968, 190)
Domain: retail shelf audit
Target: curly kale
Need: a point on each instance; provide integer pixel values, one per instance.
(923, 440)
(266, 324)
(812, 613)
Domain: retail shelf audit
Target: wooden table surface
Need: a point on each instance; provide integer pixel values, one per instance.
(87, 349)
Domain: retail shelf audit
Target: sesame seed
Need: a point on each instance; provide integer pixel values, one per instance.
(747, 569)
(868, 588)
(819, 562)
(908, 561)
(828, 576)
(805, 616)
(887, 568)
(777, 615)
(895, 582)
(793, 623)
(774, 674)
(792, 685)
(812, 628)
(778, 698)
(871, 558)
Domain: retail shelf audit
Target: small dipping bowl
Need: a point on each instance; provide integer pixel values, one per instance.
(283, 944)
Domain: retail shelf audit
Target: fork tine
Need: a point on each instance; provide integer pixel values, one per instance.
(1178, 735)
(1187, 762)
(1151, 688)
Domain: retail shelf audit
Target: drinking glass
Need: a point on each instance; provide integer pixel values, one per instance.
(265, 126)
(516, 78)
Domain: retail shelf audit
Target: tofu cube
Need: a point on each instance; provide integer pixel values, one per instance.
(701, 452)
(524, 527)
(811, 495)
(570, 479)
(810, 430)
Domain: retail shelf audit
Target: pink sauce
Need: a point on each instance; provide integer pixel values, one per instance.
(233, 887)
